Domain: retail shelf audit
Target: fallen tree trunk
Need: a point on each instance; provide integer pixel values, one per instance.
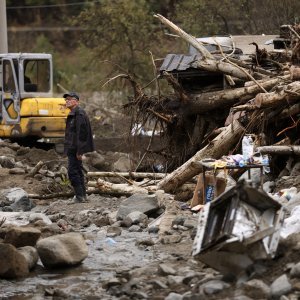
(133, 175)
(121, 189)
(263, 100)
(208, 62)
(70, 194)
(200, 103)
(285, 93)
(218, 147)
(190, 39)
(280, 150)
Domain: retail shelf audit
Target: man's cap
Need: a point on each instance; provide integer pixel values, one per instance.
(71, 94)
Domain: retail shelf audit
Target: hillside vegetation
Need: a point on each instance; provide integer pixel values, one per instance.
(92, 41)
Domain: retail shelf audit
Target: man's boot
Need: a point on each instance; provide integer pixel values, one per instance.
(79, 194)
(84, 193)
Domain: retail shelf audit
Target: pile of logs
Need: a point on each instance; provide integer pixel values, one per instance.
(256, 100)
(210, 124)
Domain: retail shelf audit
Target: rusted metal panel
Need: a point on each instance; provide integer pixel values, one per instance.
(242, 225)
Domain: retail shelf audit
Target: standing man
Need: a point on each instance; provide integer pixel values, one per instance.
(78, 140)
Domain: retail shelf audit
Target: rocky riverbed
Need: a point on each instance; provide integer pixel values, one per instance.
(137, 247)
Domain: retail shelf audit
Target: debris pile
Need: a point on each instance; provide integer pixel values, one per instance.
(220, 93)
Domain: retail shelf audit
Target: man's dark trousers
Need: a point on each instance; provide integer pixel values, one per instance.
(75, 174)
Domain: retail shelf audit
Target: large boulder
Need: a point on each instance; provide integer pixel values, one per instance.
(67, 249)
(138, 202)
(17, 199)
(95, 159)
(31, 256)
(22, 236)
(123, 164)
(12, 263)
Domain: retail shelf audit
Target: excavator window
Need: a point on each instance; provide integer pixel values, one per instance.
(9, 84)
(36, 75)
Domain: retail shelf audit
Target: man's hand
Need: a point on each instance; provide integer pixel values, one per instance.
(79, 156)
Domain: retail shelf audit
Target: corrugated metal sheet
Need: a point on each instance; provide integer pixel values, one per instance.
(178, 62)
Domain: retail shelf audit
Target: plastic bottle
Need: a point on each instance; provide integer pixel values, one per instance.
(247, 148)
(265, 161)
(241, 163)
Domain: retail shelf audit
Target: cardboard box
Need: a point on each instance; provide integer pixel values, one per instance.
(215, 186)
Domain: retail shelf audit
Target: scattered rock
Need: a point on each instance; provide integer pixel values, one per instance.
(171, 239)
(213, 287)
(153, 229)
(113, 231)
(175, 280)
(174, 296)
(135, 217)
(22, 204)
(145, 242)
(39, 216)
(101, 220)
(22, 236)
(164, 269)
(280, 286)
(67, 249)
(135, 228)
(158, 284)
(191, 223)
(30, 254)
(123, 164)
(17, 198)
(96, 160)
(256, 288)
(7, 162)
(179, 220)
(295, 271)
(12, 263)
(137, 202)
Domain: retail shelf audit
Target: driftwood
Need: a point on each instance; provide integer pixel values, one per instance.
(36, 168)
(208, 62)
(51, 196)
(121, 189)
(213, 100)
(219, 146)
(133, 175)
(283, 95)
(280, 150)
(70, 194)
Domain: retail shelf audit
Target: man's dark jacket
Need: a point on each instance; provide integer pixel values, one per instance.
(78, 135)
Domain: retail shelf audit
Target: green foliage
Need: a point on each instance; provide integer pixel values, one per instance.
(115, 36)
(215, 17)
(122, 32)
(42, 44)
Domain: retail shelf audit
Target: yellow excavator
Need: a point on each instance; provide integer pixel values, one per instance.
(27, 106)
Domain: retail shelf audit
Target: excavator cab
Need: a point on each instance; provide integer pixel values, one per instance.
(27, 106)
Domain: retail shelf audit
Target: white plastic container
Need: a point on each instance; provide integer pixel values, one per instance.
(247, 148)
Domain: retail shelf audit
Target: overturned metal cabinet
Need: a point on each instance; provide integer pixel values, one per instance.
(237, 229)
